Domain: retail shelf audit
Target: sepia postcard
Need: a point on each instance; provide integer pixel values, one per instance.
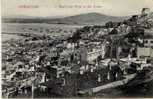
(77, 49)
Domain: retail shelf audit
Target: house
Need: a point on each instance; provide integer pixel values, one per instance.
(58, 71)
(94, 53)
(65, 57)
(144, 52)
(91, 53)
(70, 45)
(148, 41)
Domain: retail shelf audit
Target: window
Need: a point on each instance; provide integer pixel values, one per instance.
(145, 41)
(75, 54)
(151, 41)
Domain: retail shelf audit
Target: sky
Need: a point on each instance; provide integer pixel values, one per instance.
(57, 8)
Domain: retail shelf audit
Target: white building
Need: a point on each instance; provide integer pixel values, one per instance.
(144, 52)
(148, 42)
(92, 53)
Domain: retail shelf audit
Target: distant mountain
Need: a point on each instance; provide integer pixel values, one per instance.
(82, 19)
(91, 18)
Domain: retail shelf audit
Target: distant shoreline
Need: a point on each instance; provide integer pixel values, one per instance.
(81, 19)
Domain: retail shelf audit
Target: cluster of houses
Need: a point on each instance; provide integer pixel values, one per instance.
(96, 57)
(87, 55)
